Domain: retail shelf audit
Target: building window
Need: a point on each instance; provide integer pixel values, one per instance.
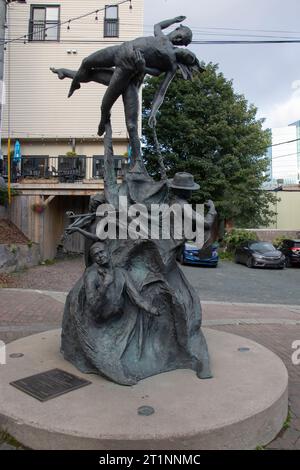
(44, 23)
(111, 22)
(98, 166)
(118, 166)
(71, 168)
(34, 166)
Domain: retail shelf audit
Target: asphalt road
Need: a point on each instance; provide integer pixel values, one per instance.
(231, 282)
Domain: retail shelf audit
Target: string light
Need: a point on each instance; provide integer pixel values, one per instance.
(96, 17)
(61, 23)
(130, 5)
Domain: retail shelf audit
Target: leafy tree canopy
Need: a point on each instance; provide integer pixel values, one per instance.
(207, 129)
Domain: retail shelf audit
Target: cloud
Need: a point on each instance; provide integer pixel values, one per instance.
(286, 112)
(295, 84)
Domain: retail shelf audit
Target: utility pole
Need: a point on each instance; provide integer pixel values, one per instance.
(3, 17)
(3, 5)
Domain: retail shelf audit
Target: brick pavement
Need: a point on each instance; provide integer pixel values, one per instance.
(23, 313)
(60, 276)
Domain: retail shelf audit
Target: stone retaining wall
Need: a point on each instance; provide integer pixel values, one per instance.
(3, 212)
(17, 257)
(268, 235)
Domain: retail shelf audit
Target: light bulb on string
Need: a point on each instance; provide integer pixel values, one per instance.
(130, 5)
(96, 17)
(69, 25)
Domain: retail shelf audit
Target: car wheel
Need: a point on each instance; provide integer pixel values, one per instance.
(250, 262)
(287, 262)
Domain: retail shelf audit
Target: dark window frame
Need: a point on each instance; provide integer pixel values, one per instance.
(100, 171)
(74, 165)
(110, 24)
(46, 23)
(119, 162)
(36, 167)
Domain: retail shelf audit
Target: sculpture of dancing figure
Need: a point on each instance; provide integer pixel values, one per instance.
(123, 68)
(133, 314)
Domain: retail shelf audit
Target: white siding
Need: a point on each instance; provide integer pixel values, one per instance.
(36, 100)
(284, 157)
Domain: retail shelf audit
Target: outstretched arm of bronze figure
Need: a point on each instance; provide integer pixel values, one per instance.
(211, 215)
(85, 233)
(160, 95)
(166, 23)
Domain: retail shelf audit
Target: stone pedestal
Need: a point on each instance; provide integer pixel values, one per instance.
(243, 406)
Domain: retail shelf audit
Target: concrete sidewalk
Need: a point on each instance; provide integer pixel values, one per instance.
(24, 312)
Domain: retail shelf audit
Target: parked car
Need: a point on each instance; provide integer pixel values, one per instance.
(259, 254)
(291, 250)
(191, 254)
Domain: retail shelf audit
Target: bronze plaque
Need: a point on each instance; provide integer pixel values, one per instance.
(49, 384)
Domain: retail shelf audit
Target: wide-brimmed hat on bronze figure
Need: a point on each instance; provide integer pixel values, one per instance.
(183, 181)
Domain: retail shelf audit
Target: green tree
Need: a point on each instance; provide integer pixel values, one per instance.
(207, 129)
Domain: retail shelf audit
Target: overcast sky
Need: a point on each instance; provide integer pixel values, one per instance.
(268, 74)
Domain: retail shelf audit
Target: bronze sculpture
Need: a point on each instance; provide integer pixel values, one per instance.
(133, 313)
(123, 68)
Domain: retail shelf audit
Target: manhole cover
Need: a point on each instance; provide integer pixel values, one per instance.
(146, 410)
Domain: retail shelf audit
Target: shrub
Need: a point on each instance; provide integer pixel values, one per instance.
(13, 249)
(277, 242)
(71, 154)
(226, 255)
(4, 195)
(38, 207)
(235, 237)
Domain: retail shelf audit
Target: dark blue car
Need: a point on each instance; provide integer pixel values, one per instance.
(200, 257)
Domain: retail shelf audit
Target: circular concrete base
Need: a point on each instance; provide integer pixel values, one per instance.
(243, 406)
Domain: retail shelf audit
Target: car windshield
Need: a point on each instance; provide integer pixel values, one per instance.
(262, 247)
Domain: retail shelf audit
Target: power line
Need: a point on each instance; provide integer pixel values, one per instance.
(244, 29)
(287, 142)
(196, 42)
(198, 30)
(283, 156)
(284, 41)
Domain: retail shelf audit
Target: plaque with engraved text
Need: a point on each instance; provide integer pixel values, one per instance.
(49, 384)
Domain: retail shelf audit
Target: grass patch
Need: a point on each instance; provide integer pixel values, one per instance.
(226, 255)
(287, 422)
(47, 262)
(8, 439)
